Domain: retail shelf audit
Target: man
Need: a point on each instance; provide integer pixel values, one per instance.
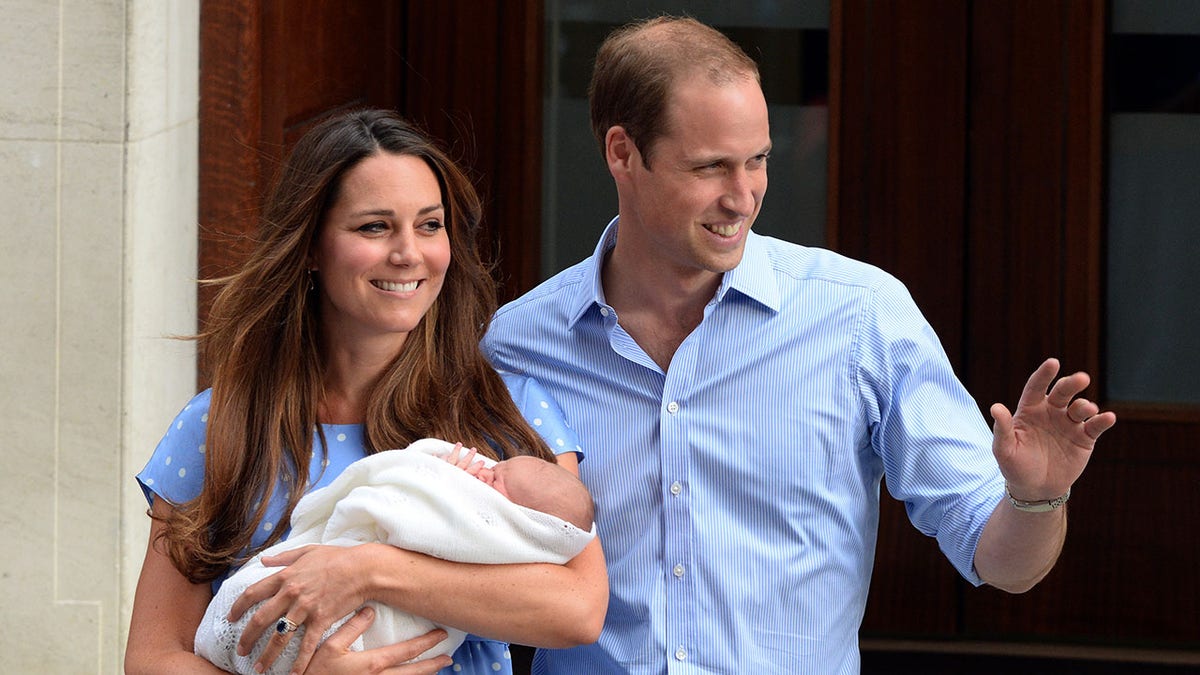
(739, 397)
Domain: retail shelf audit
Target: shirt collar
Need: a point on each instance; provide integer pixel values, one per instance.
(589, 294)
(752, 277)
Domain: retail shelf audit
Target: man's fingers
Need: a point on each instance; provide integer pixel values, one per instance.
(1081, 409)
(1038, 383)
(1067, 388)
(1002, 429)
(1098, 424)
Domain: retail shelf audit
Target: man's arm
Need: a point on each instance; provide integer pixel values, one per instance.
(1042, 450)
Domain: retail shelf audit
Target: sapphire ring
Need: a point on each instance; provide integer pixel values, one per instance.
(285, 625)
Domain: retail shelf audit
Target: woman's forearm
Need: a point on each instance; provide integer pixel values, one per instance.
(169, 663)
(542, 605)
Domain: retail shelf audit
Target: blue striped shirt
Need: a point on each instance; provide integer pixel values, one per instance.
(738, 492)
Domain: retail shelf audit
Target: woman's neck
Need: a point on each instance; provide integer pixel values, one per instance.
(350, 374)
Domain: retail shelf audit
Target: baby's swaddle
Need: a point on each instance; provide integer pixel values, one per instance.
(411, 499)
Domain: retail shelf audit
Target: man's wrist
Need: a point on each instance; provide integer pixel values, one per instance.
(1037, 505)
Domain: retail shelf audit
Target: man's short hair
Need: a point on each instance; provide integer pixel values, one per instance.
(637, 65)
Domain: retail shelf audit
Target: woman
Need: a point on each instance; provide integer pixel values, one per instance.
(353, 328)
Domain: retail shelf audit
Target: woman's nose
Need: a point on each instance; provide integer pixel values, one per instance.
(404, 251)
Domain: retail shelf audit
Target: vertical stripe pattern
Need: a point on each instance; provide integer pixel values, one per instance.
(738, 492)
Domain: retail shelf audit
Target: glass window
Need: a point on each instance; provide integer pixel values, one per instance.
(1153, 315)
(790, 42)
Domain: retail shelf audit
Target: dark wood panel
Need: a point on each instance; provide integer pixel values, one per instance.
(1017, 250)
(1127, 575)
(482, 96)
(1017, 246)
(230, 132)
(927, 663)
(323, 57)
(897, 162)
(900, 148)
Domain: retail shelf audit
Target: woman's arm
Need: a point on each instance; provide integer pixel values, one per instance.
(536, 604)
(167, 609)
(542, 605)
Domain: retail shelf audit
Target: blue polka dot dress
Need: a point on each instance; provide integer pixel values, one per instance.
(176, 469)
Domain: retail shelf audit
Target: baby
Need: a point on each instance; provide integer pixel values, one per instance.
(533, 483)
(434, 498)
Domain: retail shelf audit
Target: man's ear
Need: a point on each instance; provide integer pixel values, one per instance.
(620, 152)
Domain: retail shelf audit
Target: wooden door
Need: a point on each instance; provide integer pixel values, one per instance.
(468, 72)
(968, 159)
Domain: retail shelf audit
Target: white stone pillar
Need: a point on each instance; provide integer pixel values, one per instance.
(98, 176)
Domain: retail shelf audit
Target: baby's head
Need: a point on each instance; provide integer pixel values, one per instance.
(544, 486)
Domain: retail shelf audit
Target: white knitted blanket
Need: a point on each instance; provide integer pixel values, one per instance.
(408, 498)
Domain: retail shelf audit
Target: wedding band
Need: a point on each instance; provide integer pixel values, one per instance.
(285, 625)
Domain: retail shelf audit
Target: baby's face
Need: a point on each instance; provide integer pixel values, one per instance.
(499, 476)
(517, 477)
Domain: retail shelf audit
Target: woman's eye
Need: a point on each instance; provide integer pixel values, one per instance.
(377, 226)
(432, 225)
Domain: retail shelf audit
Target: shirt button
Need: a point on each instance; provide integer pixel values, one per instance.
(676, 488)
(677, 570)
(672, 407)
(680, 653)
(603, 311)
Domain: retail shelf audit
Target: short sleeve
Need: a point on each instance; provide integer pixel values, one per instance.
(543, 414)
(175, 471)
(480, 656)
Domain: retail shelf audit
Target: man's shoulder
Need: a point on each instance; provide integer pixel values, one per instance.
(811, 263)
(558, 291)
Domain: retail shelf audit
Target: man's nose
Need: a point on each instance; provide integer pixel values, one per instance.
(739, 195)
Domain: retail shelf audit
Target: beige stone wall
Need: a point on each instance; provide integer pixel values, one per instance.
(98, 167)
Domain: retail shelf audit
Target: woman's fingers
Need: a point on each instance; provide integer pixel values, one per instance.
(401, 652)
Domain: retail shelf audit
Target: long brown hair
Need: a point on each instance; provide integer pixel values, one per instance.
(263, 337)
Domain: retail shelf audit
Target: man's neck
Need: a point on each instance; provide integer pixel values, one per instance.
(658, 306)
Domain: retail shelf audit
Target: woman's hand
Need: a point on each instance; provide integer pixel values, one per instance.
(335, 656)
(318, 586)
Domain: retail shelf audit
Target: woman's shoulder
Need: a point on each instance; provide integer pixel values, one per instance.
(529, 395)
(542, 412)
(195, 410)
(176, 469)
